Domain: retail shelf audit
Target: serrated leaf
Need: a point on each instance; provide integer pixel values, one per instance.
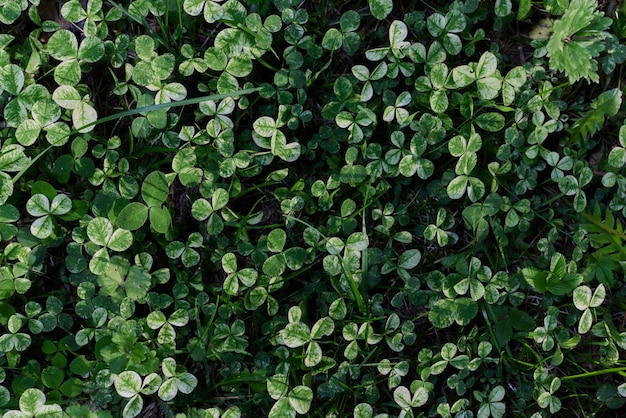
(574, 57)
(564, 285)
(137, 283)
(606, 105)
(536, 278)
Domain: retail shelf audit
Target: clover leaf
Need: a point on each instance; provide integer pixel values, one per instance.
(202, 209)
(14, 339)
(176, 379)
(8, 215)
(211, 10)
(380, 8)
(129, 385)
(121, 280)
(45, 210)
(268, 136)
(101, 232)
(154, 191)
(157, 320)
(186, 252)
(32, 403)
(91, 15)
(245, 277)
(84, 115)
(64, 47)
(584, 299)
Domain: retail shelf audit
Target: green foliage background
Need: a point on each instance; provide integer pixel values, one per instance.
(251, 208)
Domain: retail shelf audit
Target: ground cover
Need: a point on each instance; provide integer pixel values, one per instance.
(328, 209)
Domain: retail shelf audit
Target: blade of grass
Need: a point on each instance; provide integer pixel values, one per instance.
(136, 111)
(143, 22)
(185, 102)
(358, 297)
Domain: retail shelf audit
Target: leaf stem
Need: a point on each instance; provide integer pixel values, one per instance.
(620, 370)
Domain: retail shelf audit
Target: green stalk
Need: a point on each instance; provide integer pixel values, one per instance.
(620, 370)
(168, 105)
(205, 331)
(33, 161)
(601, 225)
(136, 111)
(358, 297)
(143, 22)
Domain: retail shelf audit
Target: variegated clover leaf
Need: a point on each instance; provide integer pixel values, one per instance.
(104, 236)
(45, 211)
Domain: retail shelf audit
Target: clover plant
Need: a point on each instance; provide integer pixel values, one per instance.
(226, 208)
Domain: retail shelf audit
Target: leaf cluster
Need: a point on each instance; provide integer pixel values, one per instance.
(228, 208)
